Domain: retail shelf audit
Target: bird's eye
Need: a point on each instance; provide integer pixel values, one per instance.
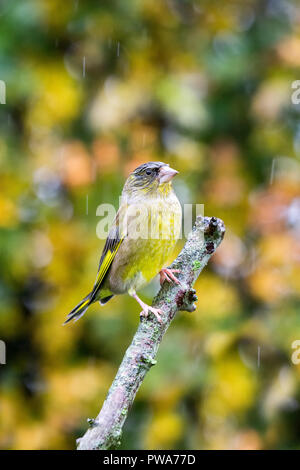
(148, 172)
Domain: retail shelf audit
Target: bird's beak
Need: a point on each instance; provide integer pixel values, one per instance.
(166, 174)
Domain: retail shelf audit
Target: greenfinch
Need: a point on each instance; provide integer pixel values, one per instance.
(140, 240)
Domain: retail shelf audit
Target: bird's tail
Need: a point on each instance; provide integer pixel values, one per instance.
(104, 300)
(79, 310)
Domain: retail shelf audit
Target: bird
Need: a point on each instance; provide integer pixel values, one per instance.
(140, 240)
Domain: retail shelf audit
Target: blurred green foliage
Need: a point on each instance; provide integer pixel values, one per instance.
(92, 90)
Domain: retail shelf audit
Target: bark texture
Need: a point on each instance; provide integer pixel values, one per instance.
(105, 431)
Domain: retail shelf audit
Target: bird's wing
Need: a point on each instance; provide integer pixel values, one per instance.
(112, 244)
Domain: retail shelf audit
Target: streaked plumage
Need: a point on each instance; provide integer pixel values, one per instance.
(130, 259)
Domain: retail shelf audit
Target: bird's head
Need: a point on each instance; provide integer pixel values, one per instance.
(149, 177)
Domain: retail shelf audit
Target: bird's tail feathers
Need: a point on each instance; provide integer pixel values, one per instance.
(79, 310)
(105, 299)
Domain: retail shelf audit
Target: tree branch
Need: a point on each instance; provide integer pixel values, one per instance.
(105, 431)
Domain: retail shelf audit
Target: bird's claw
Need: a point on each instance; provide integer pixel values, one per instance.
(167, 275)
(156, 312)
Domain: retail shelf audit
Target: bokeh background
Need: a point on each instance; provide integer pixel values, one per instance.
(93, 89)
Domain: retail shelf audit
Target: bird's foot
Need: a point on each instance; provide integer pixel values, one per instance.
(167, 275)
(146, 308)
(156, 312)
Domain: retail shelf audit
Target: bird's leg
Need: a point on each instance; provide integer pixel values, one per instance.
(146, 308)
(167, 275)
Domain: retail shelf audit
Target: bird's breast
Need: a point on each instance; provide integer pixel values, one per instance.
(151, 235)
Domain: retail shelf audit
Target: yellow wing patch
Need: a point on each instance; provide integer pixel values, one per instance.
(105, 265)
